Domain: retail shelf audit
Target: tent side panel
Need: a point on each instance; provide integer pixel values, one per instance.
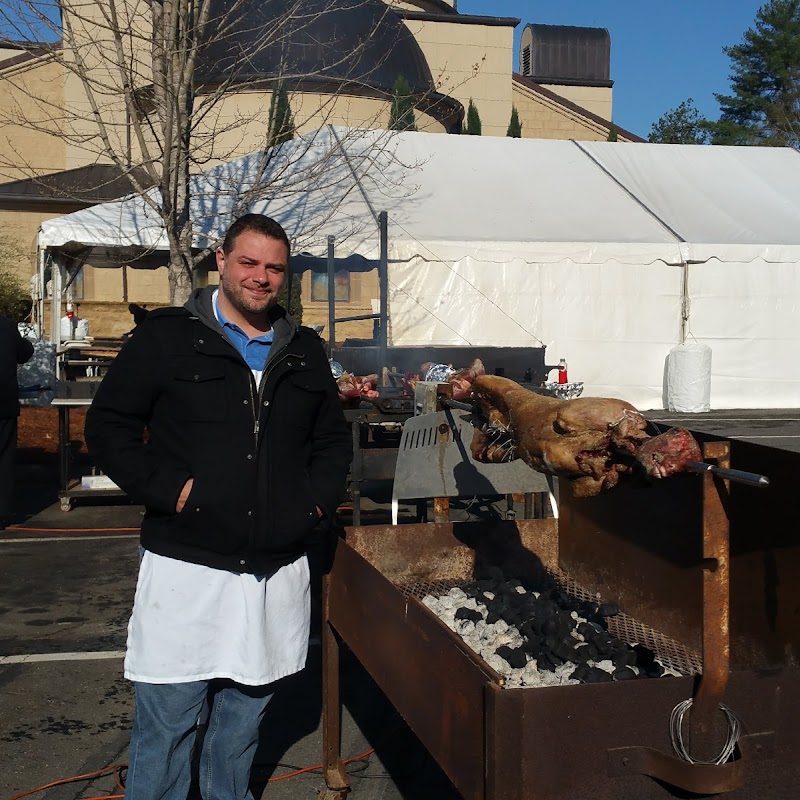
(749, 314)
(613, 323)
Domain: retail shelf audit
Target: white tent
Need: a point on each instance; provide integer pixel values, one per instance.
(608, 253)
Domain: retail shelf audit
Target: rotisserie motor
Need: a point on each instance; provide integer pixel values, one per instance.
(592, 441)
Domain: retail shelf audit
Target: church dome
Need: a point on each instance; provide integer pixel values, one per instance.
(355, 42)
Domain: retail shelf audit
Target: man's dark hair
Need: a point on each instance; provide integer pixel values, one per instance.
(258, 223)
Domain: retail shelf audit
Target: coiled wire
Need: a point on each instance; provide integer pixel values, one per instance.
(676, 734)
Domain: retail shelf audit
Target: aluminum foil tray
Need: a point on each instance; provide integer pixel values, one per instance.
(565, 391)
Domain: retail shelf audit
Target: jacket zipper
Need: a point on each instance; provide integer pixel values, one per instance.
(264, 376)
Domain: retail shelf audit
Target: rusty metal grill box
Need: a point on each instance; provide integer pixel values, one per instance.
(610, 741)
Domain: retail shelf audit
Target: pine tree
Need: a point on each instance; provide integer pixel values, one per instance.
(281, 120)
(401, 113)
(293, 304)
(681, 125)
(764, 105)
(15, 300)
(473, 120)
(515, 126)
(612, 134)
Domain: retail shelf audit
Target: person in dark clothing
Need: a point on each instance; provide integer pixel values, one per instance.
(247, 451)
(14, 350)
(139, 314)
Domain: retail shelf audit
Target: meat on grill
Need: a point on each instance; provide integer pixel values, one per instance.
(355, 388)
(590, 440)
(352, 388)
(461, 380)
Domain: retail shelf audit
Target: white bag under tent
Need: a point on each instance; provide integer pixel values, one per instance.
(608, 253)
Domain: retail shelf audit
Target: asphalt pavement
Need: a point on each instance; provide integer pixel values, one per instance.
(67, 586)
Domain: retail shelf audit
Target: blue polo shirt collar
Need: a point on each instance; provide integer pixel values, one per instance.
(254, 351)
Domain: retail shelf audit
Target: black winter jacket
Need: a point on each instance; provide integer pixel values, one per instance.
(14, 349)
(262, 458)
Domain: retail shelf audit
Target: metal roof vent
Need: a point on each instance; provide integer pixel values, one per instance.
(525, 61)
(564, 54)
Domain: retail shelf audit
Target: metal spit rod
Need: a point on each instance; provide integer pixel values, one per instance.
(735, 475)
(700, 467)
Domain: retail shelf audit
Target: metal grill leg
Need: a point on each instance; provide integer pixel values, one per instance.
(336, 778)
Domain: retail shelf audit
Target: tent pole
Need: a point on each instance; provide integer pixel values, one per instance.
(56, 277)
(289, 282)
(383, 279)
(684, 300)
(40, 298)
(331, 297)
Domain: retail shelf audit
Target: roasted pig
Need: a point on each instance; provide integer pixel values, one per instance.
(592, 441)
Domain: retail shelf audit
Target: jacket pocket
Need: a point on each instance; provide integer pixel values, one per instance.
(296, 515)
(303, 394)
(197, 393)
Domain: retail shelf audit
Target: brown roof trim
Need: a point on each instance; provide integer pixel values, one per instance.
(87, 185)
(31, 52)
(569, 82)
(562, 101)
(458, 19)
(445, 8)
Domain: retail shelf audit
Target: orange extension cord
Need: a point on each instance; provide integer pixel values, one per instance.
(24, 529)
(115, 769)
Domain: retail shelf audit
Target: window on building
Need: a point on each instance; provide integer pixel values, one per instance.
(526, 60)
(341, 290)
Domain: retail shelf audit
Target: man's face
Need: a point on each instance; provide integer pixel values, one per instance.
(252, 274)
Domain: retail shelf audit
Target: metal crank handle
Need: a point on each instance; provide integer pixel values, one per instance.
(735, 475)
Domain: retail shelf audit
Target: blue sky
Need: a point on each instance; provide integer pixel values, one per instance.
(661, 51)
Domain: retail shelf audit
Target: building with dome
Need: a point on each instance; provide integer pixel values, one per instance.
(339, 61)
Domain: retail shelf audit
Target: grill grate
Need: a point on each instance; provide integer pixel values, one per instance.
(669, 652)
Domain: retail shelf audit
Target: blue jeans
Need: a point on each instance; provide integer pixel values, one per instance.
(164, 729)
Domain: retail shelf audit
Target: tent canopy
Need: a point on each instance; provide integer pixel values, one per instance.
(588, 201)
(609, 253)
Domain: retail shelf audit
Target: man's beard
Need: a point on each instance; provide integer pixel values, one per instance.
(244, 302)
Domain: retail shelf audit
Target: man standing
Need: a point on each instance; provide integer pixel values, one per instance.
(14, 350)
(247, 450)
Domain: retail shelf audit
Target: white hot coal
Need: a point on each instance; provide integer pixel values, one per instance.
(542, 638)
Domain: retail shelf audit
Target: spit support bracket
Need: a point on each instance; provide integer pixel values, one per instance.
(716, 594)
(706, 718)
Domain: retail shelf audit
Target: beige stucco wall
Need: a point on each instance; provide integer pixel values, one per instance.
(543, 118)
(30, 96)
(471, 61)
(143, 285)
(108, 314)
(363, 288)
(596, 99)
(107, 319)
(92, 50)
(238, 123)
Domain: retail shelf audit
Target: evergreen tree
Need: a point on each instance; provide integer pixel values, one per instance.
(612, 134)
(515, 126)
(15, 299)
(764, 104)
(281, 119)
(681, 125)
(473, 120)
(293, 304)
(401, 113)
